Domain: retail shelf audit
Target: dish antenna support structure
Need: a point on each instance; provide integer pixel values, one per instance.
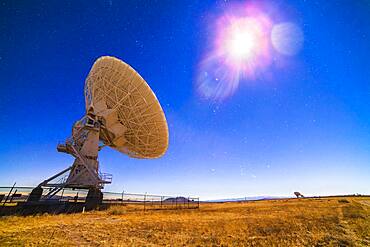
(123, 113)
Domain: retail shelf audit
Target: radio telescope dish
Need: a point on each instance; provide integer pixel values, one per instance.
(134, 119)
(123, 113)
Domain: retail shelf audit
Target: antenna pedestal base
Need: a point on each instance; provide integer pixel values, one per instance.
(93, 199)
(35, 195)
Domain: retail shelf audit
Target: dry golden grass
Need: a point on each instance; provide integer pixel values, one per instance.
(294, 222)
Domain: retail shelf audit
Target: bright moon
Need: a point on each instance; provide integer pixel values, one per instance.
(242, 41)
(242, 44)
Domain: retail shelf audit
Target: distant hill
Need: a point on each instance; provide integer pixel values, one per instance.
(179, 199)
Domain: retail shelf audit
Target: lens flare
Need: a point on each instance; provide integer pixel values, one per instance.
(287, 38)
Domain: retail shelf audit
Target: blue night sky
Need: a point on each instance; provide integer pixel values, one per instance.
(297, 119)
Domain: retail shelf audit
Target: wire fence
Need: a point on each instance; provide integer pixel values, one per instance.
(13, 196)
(148, 201)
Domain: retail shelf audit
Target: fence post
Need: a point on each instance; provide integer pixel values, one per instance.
(188, 201)
(144, 201)
(9, 194)
(122, 195)
(161, 201)
(61, 197)
(11, 198)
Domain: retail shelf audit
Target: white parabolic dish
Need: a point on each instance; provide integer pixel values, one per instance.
(133, 120)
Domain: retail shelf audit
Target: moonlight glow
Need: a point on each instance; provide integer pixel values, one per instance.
(241, 51)
(246, 45)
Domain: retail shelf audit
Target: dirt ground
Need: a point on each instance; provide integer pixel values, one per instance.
(292, 222)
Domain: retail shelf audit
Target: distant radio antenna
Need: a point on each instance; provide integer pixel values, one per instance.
(122, 112)
(298, 194)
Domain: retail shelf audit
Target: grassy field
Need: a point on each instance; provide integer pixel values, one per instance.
(293, 222)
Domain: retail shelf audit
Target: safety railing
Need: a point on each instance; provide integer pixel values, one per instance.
(106, 177)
